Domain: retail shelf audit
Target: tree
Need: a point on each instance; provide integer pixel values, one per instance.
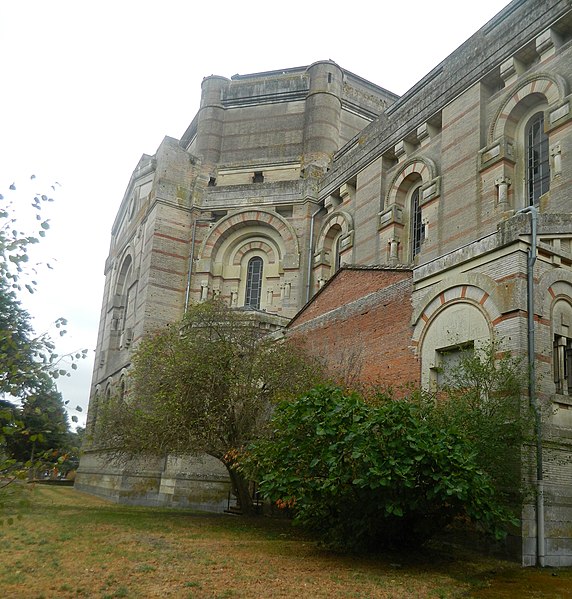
(25, 357)
(42, 436)
(207, 384)
(364, 475)
(482, 398)
(27, 360)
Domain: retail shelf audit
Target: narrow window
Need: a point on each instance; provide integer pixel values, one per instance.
(338, 253)
(537, 159)
(562, 357)
(417, 228)
(329, 77)
(253, 282)
(212, 181)
(258, 177)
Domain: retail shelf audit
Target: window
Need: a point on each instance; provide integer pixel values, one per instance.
(417, 228)
(562, 356)
(337, 254)
(448, 363)
(253, 282)
(537, 159)
(258, 177)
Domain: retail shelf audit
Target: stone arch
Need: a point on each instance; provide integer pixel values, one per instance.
(553, 284)
(476, 289)
(252, 245)
(124, 273)
(552, 88)
(276, 227)
(339, 218)
(452, 328)
(423, 167)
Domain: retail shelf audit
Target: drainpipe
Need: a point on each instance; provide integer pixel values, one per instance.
(540, 542)
(192, 257)
(310, 253)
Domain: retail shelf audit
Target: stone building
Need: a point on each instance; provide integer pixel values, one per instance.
(402, 228)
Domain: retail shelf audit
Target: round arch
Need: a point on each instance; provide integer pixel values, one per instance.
(339, 218)
(277, 228)
(423, 167)
(551, 88)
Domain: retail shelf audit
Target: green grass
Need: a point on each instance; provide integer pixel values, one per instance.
(68, 544)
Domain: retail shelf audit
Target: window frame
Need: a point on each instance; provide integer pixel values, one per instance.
(253, 283)
(536, 159)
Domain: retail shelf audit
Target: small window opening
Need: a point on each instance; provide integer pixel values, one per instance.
(212, 181)
(258, 177)
(448, 361)
(338, 253)
(329, 77)
(562, 356)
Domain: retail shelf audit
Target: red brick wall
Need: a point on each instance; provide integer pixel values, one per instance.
(360, 323)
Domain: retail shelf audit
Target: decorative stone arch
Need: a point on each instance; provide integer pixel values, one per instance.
(122, 386)
(336, 236)
(552, 285)
(553, 88)
(256, 218)
(251, 246)
(460, 316)
(475, 286)
(126, 265)
(424, 167)
(339, 218)
(225, 254)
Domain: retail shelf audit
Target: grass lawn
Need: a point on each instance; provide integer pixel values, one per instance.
(68, 544)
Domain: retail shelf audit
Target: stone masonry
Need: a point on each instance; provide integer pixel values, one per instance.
(387, 230)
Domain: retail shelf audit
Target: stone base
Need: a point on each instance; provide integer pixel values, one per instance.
(197, 482)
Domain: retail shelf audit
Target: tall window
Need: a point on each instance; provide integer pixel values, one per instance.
(253, 282)
(337, 262)
(537, 160)
(417, 229)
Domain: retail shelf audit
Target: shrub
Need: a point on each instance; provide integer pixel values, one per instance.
(363, 476)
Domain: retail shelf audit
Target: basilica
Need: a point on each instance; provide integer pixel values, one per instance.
(403, 230)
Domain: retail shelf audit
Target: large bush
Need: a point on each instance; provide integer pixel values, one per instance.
(363, 476)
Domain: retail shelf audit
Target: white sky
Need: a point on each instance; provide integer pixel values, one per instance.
(89, 87)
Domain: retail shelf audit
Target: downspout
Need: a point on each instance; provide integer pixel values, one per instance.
(192, 257)
(310, 253)
(540, 540)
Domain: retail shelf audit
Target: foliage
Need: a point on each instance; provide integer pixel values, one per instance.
(362, 475)
(29, 402)
(207, 384)
(482, 398)
(24, 356)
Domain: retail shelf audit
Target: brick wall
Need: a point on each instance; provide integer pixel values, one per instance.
(360, 324)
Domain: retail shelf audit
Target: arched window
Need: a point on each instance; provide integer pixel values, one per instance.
(417, 228)
(537, 159)
(337, 253)
(253, 282)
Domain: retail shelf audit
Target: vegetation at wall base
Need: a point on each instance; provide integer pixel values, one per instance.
(362, 476)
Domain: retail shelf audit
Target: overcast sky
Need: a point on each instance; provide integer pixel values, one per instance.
(87, 87)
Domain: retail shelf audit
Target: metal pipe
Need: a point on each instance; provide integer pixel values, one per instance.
(540, 538)
(309, 277)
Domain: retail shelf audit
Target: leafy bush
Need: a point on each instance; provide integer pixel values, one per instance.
(363, 476)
